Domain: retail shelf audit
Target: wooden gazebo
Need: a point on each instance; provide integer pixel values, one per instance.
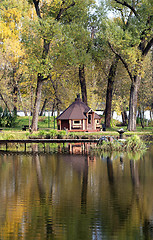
(79, 117)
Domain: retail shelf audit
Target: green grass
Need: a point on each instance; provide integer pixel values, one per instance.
(43, 123)
(46, 124)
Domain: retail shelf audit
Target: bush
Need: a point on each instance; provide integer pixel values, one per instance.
(42, 133)
(7, 119)
(134, 143)
(53, 133)
(61, 134)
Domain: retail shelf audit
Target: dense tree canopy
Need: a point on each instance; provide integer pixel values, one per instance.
(52, 50)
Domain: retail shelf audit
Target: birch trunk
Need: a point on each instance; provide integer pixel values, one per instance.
(133, 103)
(37, 104)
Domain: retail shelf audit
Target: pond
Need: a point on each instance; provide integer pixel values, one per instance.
(76, 196)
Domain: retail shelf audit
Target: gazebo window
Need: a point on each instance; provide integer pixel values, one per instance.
(76, 122)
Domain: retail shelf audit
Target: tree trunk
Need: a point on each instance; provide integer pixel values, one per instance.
(43, 107)
(46, 45)
(31, 112)
(83, 83)
(20, 97)
(5, 102)
(150, 115)
(53, 108)
(133, 103)
(57, 108)
(15, 92)
(124, 118)
(15, 98)
(110, 85)
(141, 116)
(37, 104)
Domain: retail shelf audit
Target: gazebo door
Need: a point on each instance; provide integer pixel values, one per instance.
(89, 120)
(64, 124)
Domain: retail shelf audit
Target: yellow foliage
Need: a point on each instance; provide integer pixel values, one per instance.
(13, 50)
(10, 34)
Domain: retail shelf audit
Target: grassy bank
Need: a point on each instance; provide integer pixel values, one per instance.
(47, 125)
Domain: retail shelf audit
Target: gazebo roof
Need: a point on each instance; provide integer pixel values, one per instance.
(77, 110)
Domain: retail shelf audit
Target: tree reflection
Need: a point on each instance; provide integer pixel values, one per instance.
(121, 211)
(84, 187)
(65, 196)
(134, 174)
(45, 201)
(147, 224)
(110, 171)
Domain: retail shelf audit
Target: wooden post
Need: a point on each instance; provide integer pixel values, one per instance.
(70, 124)
(84, 147)
(70, 148)
(25, 146)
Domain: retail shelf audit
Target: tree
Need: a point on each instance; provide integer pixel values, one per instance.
(12, 52)
(46, 33)
(131, 40)
(145, 90)
(47, 26)
(103, 54)
(79, 37)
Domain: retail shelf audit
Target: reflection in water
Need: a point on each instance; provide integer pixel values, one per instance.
(75, 196)
(121, 213)
(45, 199)
(147, 225)
(134, 173)
(84, 187)
(110, 170)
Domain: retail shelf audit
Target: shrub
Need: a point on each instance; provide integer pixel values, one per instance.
(134, 143)
(61, 134)
(7, 119)
(53, 133)
(42, 133)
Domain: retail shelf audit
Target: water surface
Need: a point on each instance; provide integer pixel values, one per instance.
(76, 196)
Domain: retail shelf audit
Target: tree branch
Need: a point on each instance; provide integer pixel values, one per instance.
(36, 4)
(129, 6)
(122, 60)
(64, 9)
(46, 78)
(147, 48)
(142, 45)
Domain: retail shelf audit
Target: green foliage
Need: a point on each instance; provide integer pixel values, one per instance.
(12, 135)
(110, 146)
(48, 134)
(134, 155)
(53, 133)
(7, 119)
(42, 133)
(61, 134)
(133, 143)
